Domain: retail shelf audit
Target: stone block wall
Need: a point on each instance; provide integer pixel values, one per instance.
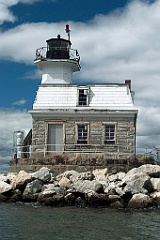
(124, 148)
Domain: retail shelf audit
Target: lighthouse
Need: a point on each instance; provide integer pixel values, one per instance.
(58, 60)
(96, 120)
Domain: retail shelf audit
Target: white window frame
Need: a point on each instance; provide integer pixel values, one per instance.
(111, 134)
(81, 141)
(85, 93)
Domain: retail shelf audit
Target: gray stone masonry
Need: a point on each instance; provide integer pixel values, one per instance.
(124, 148)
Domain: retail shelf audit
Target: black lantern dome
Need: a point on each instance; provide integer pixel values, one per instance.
(58, 48)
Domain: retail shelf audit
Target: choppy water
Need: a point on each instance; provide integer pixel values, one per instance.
(4, 165)
(30, 222)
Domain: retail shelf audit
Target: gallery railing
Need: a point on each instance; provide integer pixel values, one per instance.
(28, 151)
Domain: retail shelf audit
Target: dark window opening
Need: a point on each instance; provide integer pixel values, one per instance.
(82, 100)
(82, 134)
(109, 137)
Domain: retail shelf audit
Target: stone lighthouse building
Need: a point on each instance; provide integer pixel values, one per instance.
(97, 120)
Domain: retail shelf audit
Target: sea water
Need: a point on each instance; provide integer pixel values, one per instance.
(21, 221)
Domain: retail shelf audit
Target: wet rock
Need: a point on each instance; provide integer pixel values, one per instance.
(117, 205)
(16, 196)
(140, 200)
(156, 198)
(94, 199)
(80, 202)
(3, 198)
(70, 199)
(55, 200)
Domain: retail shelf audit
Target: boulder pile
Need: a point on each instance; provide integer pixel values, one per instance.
(138, 188)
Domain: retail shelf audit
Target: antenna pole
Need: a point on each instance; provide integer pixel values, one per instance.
(68, 31)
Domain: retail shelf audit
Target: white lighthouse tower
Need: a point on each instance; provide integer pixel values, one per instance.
(57, 61)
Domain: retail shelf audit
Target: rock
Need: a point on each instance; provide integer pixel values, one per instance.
(17, 196)
(80, 202)
(55, 200)
(133, 175)
(64, 182)
(11, 177)
(3, 178)
(33, 187)
(112, 178)
(94, 199)
(148, 169)
(3, 198)
(156, 184)
(5, 188)
(140, 200)
(114, 198)
(100, 174)
(50, 189)
(31, 190)
(70, 199)
(110, 189)
(42, 174)
(156, 198)
(116, 205)
(86, 185)
(21, 180)
(151, 170)
(71, 175)
(120, 176)
(85, 176)
(141, 184)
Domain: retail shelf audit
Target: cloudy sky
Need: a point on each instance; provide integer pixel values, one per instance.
(116, 40)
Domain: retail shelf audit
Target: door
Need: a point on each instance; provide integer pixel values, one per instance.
(55, 139)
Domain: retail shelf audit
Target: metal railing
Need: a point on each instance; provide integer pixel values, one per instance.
(41, 53)
(115, 151)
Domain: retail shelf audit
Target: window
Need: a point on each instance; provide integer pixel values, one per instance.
(82, 132)
(82, 97)
(109, 136)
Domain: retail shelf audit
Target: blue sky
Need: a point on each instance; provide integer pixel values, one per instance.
(116, 39)
(14, 75)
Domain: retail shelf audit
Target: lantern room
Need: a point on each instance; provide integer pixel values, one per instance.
(58, 48)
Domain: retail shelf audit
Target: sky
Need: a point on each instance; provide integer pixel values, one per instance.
(116, 39)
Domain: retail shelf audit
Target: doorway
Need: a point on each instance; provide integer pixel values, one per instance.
(55, 139)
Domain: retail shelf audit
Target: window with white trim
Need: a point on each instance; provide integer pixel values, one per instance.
(82, 96)
(82, 133)
(109, 134)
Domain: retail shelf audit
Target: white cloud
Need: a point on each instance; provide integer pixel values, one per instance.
(16, 121)
(122, 45)
(6, 13)
(19, 102)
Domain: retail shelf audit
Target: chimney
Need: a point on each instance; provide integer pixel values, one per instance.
(128, 82)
